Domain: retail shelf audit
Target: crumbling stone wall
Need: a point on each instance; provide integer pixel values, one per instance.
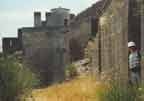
(78, 38)
(134, 22)
(142, 27)
(11, 45)
(81, 28)
(111, 52)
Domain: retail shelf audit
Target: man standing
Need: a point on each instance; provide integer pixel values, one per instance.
(134, 64)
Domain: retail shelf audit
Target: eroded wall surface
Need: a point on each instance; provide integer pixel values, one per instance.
(111, 53)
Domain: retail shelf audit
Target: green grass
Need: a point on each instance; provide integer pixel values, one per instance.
(120, 92)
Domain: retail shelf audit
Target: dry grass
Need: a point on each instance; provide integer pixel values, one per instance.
(80, 89)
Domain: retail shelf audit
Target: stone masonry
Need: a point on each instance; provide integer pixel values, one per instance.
(119, 24)
(46, 50)
(45, 45)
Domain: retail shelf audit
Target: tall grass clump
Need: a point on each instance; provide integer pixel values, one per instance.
(120, 92)
(15, 79)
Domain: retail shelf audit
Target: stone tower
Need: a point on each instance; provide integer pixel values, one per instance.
(45, 45)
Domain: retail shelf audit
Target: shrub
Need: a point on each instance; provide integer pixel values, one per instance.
(15, 79)
(71, 71)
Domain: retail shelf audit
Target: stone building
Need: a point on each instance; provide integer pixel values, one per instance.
(10, 45)
(52, 44)
(45, 45)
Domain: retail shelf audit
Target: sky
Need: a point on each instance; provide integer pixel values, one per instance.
(15, 14)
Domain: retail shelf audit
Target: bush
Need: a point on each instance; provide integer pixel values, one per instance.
(15, 79)
(71, 71)
(120, 92)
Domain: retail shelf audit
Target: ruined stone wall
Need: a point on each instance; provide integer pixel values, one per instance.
(81, 28)
(142, 27)
(142, 37)
(134, 22)
(110, 54)
(11, 45)
(47, 51)
(78, 38)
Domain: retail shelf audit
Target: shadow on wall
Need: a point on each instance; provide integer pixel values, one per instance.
(76, 50)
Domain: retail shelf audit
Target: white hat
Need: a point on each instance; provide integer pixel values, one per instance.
(131, 44)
